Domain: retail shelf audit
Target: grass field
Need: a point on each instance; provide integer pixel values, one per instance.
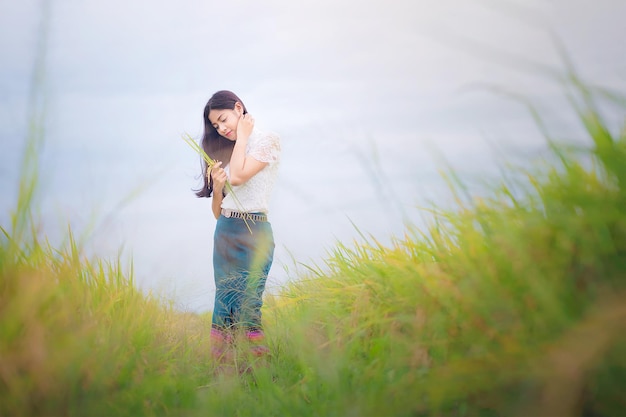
(511, 304)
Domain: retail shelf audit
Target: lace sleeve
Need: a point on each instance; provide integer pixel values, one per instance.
(265, 148)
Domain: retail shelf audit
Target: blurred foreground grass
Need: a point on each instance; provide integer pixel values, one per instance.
(511, 304)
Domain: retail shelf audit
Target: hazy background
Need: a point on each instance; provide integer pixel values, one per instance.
(365, 96)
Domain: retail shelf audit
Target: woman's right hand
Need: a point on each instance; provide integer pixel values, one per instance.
(218, 175)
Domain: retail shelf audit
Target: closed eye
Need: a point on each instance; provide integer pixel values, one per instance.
(221, 119)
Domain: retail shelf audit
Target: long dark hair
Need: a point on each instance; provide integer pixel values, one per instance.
(216, 146)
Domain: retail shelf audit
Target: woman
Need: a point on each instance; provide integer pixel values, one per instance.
(243, 249)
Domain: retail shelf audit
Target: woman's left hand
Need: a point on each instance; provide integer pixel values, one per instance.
(218, 175)
(244, 126)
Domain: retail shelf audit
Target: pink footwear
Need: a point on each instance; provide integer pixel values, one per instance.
(220, 342)
(256, 338)
(259, 350)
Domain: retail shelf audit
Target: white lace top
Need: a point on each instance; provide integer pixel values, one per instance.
(253, 196)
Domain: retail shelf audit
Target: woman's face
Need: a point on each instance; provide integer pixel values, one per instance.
(225, 121)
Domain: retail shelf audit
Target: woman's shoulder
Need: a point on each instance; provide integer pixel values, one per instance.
(264, 145)
(260, 135)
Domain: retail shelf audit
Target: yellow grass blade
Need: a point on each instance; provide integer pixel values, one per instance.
(210, 162)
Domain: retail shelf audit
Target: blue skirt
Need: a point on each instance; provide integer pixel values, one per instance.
(242, 259)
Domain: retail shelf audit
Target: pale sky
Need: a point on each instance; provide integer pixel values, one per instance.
(362, 94)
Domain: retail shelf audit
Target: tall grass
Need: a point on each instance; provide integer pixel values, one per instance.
(77, 337)
(511, 304)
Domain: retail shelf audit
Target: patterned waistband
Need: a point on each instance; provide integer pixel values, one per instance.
(256, 217)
